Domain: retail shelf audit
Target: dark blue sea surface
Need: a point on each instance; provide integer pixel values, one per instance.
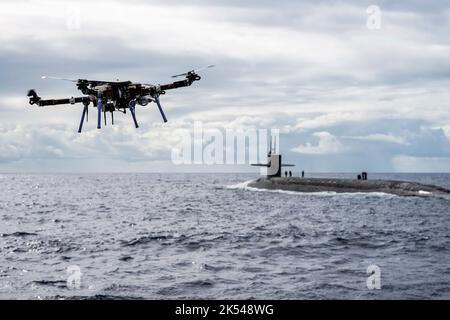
(171, 236)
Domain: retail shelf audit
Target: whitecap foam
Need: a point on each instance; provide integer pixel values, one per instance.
(242, 185)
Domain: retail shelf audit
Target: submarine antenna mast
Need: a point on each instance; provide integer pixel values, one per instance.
(270, 145)
(275, 145)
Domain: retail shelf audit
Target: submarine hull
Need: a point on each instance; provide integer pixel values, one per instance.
(400, 188)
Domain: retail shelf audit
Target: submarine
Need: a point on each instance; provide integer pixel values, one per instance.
(272, 180)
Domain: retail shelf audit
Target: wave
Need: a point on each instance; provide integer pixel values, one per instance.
(18, 234)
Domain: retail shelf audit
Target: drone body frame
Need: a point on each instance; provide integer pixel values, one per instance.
(111, 96)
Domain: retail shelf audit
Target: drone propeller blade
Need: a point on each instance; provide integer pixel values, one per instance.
(193, 71)
(56, 78)
(207, 67)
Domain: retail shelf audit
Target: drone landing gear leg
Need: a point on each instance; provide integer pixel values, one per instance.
(112, 118)
(85, 111)
(104, 116)
(160, 109)
(99, 109)
(132, 106)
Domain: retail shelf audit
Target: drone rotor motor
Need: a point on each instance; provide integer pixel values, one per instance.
(34, 98)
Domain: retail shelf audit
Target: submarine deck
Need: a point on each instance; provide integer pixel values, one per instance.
(401, 188)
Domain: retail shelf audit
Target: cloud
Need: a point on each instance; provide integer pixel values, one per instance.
(380, 137)
(327, 144)
(405, 163)
(56, 142)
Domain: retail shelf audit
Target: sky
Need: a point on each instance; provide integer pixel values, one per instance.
(350, 89)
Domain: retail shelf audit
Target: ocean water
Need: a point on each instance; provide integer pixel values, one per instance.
(173, 236)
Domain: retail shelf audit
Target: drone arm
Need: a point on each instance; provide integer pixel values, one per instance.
(190, 78)
(54, 102)
(156, 91)
(175, 85)
(35, 99)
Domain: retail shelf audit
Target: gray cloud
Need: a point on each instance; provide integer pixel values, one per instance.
(304, 67)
